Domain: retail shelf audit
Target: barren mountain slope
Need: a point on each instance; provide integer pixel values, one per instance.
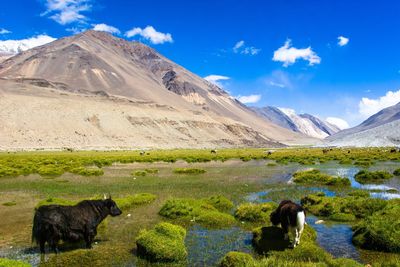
(383, 117)
(96, 63)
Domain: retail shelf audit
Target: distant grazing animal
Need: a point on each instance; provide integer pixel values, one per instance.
(394, 150)
(53, 223)
(213, 151)
(324, 151)
(290, 216)
(142, 153)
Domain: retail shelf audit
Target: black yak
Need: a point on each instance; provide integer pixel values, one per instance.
(290, 216)
(53, 223)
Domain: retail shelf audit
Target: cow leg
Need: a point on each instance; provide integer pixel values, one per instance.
(295, 235)
(88, 239)
(53, 246)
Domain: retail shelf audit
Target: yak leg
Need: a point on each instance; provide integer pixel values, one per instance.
(53, 246)
(89, 238)
(295, 236)
(41, 245)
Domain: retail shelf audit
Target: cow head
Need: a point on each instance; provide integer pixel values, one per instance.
(112, 207)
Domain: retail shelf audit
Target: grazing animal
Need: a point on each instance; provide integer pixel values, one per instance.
(290, 216)
(213, 151)
(53, 223)
(325, 151)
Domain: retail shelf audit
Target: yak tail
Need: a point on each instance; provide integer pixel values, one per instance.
(36, 228)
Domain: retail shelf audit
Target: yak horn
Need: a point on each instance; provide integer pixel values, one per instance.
(104, 196)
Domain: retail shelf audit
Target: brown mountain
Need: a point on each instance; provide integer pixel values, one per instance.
(93, 90)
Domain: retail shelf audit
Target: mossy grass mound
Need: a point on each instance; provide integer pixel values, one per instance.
(99, 256)
(396, 172)
(164, 243)
(316, 177)
(237, 259)
(347, 208)
(269, 241)
(134, 200)
(189, 171)
(87, 171)
(56, 201)
(381, 230)
(209, 212)
(365, 176)
(364, 162)
(9, 203)
(255, 212)
(123, 202)
(139, 173)
(13, 263)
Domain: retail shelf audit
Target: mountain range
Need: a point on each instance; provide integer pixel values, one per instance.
(97, 91)
(381, 129)
(303, 123)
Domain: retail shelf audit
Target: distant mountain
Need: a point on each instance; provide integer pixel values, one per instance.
(381, 129)
(303, 123)
(94, 90)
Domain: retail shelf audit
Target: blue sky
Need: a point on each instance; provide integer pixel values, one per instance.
(310, 72)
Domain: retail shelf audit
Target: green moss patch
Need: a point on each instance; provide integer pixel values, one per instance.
(316, 177)
(255, 212)
(56, 201)
(364, 176)
(99, 256)
(189, 171)
(208, 212)
(346, 208)
(164, 243)
(134, 200)
(237, 259)
(396, 172)
(381, 230)
(9, 203)
(87, 171)
(13, 263)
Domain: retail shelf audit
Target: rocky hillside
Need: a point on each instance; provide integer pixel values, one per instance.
(381, 129)
(302, 123)
(96, 90)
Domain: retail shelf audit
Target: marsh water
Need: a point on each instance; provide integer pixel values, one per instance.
(207, 246)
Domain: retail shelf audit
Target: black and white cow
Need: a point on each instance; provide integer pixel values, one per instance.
(290, 216)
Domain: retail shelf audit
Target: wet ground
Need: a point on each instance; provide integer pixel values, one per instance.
(205, 246)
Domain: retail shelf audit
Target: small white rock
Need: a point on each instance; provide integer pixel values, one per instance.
(95, 243)
(128, 215)
(134, 178)
(319, 222)
(11, 246)
(242, 222)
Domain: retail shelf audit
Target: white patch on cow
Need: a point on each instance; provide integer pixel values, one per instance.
(300, 221)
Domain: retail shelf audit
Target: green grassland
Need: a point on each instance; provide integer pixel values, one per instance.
(182, 187)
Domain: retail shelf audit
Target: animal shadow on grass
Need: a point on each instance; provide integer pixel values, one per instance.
(271, 239)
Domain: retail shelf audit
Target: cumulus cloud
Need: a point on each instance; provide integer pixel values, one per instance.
(368, 107)
(67, 11)
(288, 55)
(4, 31)
(338, 122)
(240, 48)
(17, 46)
(105, 28)
(342, 41)
(249, 99)
(149, 33)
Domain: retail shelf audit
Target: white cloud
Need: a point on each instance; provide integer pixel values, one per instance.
(249, 99)
(280, 85)
(343, 41)
(150, 34)
(368, 107)
(288, 55)
(240, 47)
(338, 122)
(105, 28)
(215, 79)
(16, 46)
(4, 31)
(67, 11)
